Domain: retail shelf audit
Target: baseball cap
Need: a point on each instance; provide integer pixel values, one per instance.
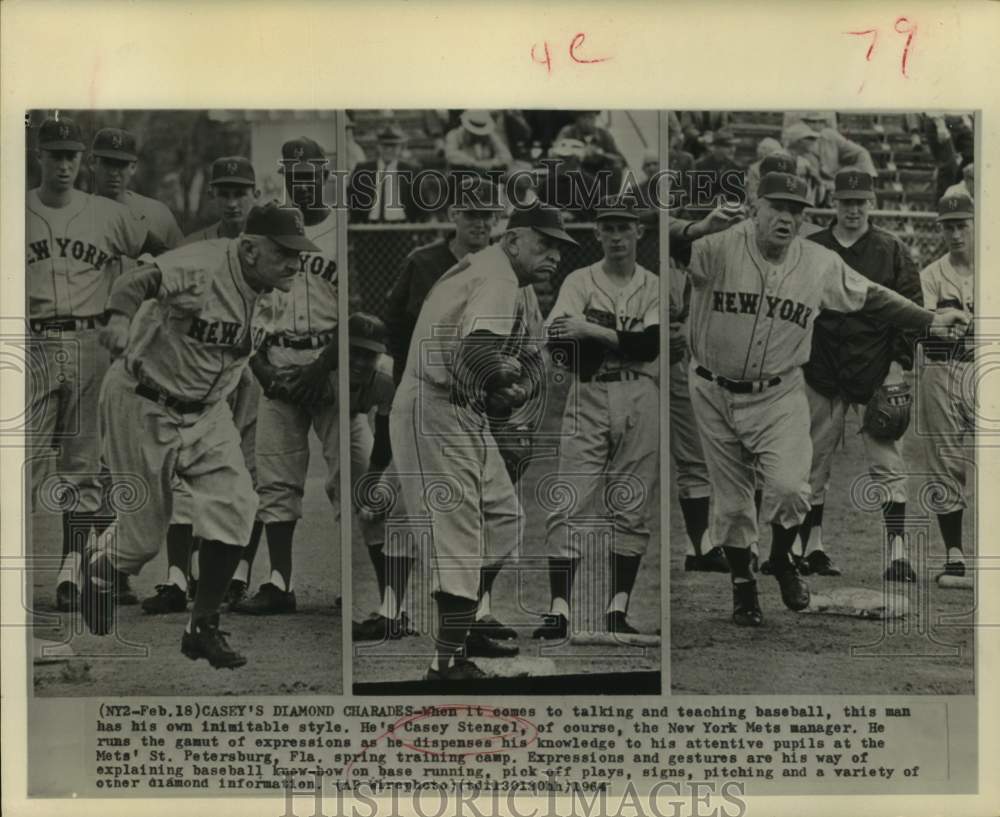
(797, 131)
(956, 208)
(722, 138)
(479, 123)
(302, 149)
(366, 331)
(619, 208)
(546, 220)
(853, 184)
(233, 170)
(60, 134)
(778, 163)
(114, 143)
(390, 135)
(283, 225)
(483, 197)
(783, 187)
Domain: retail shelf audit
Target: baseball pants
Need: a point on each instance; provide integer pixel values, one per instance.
(748, 437)
(283, 455)
(154, 445)
(64, 375)
(826, 427)
(946, 411)
(691, 472)
(452, 475)
(609, 447)
(362, 440)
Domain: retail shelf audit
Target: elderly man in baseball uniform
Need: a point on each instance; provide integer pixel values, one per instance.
(113, 160)
(606, 321)
(467, 368)
(756, 291)
(73, 241)
(946, 386)
(188, 324)
(852, 355)
(233, 186)
(297, 371)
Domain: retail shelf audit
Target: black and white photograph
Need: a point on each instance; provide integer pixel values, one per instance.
(822, 401)
(505, 415)
(182, 293)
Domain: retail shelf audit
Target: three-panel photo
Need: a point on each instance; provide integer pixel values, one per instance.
(523, 402)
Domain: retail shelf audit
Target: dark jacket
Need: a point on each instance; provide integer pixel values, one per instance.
(363, 183)
(851, 353)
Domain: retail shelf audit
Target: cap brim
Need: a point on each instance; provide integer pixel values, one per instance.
(295, 242)
(868, 195)
(78, 147)
(955, 217)
(559, 235)
(367, 343)
(613, 215)
(241, 181)
(118, 155)
(788, 197)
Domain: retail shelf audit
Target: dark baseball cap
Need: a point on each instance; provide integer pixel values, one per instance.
(956, 208)
(778, 163)
(619, 208)
(853, 184)
(233, 170)
(366, 331)
(783, 187)
(302, 149)
(114, 143)
(283, 225)
(546, 220)
(60, 134)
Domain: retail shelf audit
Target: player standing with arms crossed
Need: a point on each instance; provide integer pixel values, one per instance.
(73, 240)
(233, 187)
(297, 371)
(610, 314)
(756, 291)
(188, 325)
(946, 400)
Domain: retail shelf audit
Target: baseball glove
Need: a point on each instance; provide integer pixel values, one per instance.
(515, 443)
(887, 415)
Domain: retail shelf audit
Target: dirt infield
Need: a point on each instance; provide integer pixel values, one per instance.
(520, 597)
(930, 652)
(296, 654)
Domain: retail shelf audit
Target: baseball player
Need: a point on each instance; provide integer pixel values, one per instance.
(468, 366)
(73, 241)
(946, 402)
(756, 291)
(609, 312)
(233, 185)
(187, 325)
(297, 372)
(852, 355)
(113, 162)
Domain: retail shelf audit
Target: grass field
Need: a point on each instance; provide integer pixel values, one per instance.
(520, 597)
(296, 654)
(929, 652)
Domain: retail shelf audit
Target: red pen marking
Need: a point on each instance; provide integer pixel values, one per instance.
(910, 31)
(578, 40)
(547, 62)
(871, 48)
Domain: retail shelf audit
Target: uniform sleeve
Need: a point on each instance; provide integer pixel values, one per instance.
(702, 270)
(132, 234)
(651, 317)
(572, 299)
(491, 308)
(928, 286)
(848, 291)
(129, 291)
(173, 235)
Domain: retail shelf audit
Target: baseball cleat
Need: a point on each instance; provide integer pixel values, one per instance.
(746, 605)
(268, 601)
(900, 571)
(169, 598)
(379, 628)
(801, 565)
(554, 628)
(124, 594)
(235, 593)
(97, 593)
(794, 591)
(617, 624)
(490, 627)
(67, 597)
(478, 645)
(459, 671)
(712, 562)
(819, 564)
(207, 641)
(954, 569)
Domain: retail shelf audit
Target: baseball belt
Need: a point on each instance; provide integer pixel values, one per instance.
(42, 325)
(311, 342)
(163, 399)
(737, 386)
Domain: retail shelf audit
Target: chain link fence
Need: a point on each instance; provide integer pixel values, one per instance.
(918, 230)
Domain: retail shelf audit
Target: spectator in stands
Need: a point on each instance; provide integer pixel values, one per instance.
(950, 139)
(568, 185)
(380, 191)
(966, 187)
(601, 154)
(515, 132)
(768, 146)
(717, 176)
(697, 125)
(817, 120)
(647, 196)
(474, 145)
(355, 153)
(826, 151)
(680, 164)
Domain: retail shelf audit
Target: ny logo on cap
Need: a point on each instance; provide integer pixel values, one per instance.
(63, 131)
(852, 182)
(298, 223)
(790, 184)
(952, 204)
(231, 167)
(298, 151)
(116, 141)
